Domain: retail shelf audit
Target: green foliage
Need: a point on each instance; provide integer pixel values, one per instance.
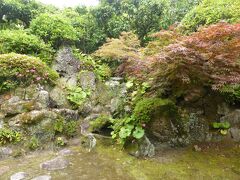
(19, 41)
(9, 136)
(16, 69)
(125, 129)
(100, 69)
(77, 96)
(21, 11)
(119, 49)
(231, 93)
(60, 141)
(68, 128)
(210, 12)
(221, 125)
(34, 143)
(54, 29)
(58, 125)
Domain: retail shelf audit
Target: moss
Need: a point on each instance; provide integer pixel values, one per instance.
(99, 123)
(146, 108)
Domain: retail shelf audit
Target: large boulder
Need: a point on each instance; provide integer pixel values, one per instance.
(67, 66)
(87, 80)
(233, 118)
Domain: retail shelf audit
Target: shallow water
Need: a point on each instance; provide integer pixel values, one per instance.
(108, 162)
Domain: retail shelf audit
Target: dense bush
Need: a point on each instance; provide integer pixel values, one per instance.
(54, 29)
(16, 69)
(210, 12)
(208, 58)
(19, 41)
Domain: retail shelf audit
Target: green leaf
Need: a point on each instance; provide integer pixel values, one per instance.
(126, 131)
(138, 133)
(129, 84)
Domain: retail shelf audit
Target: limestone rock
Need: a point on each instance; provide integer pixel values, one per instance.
(31, 117)
(5, 152)
(58, 98)
(12, 107)
(55, 164)
(87, 80)
(235, 134)
(68, 114)
(233, 118)
(43, 99)
(19, 176)
(66, 64)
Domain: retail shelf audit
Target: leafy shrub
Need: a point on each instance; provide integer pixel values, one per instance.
(160, 40)
(53, 29)
(210, 12)
(208, 58)
(19, 41)
(125, 129)
(133, 127)
(16, 69)
(119, 49)
(68, 128)
(9, 136)
(231, 93)
(102, 70)
(77, 96)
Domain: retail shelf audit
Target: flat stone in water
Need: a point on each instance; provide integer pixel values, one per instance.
(45, 177)
(55, 164)
(19, 176)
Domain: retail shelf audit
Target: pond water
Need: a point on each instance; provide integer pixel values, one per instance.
(108, 162)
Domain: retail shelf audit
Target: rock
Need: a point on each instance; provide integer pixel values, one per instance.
(91, 117)
(146, 148)
(89, 141)
(4, 169)
(19, 176)
(85, 109)
(65, 63)
(87, 80)
(58, 98)
(31, 117)
(223, 109)
(5, 152)
(43, 99)
(65, 152)
(11, 107)
(233, 118)
(55, 164)
(1, 123)
(235, 134)
(68, 114)
(44, 177)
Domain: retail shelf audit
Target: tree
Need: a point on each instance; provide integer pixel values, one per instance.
(209, 12)
(54, 29)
